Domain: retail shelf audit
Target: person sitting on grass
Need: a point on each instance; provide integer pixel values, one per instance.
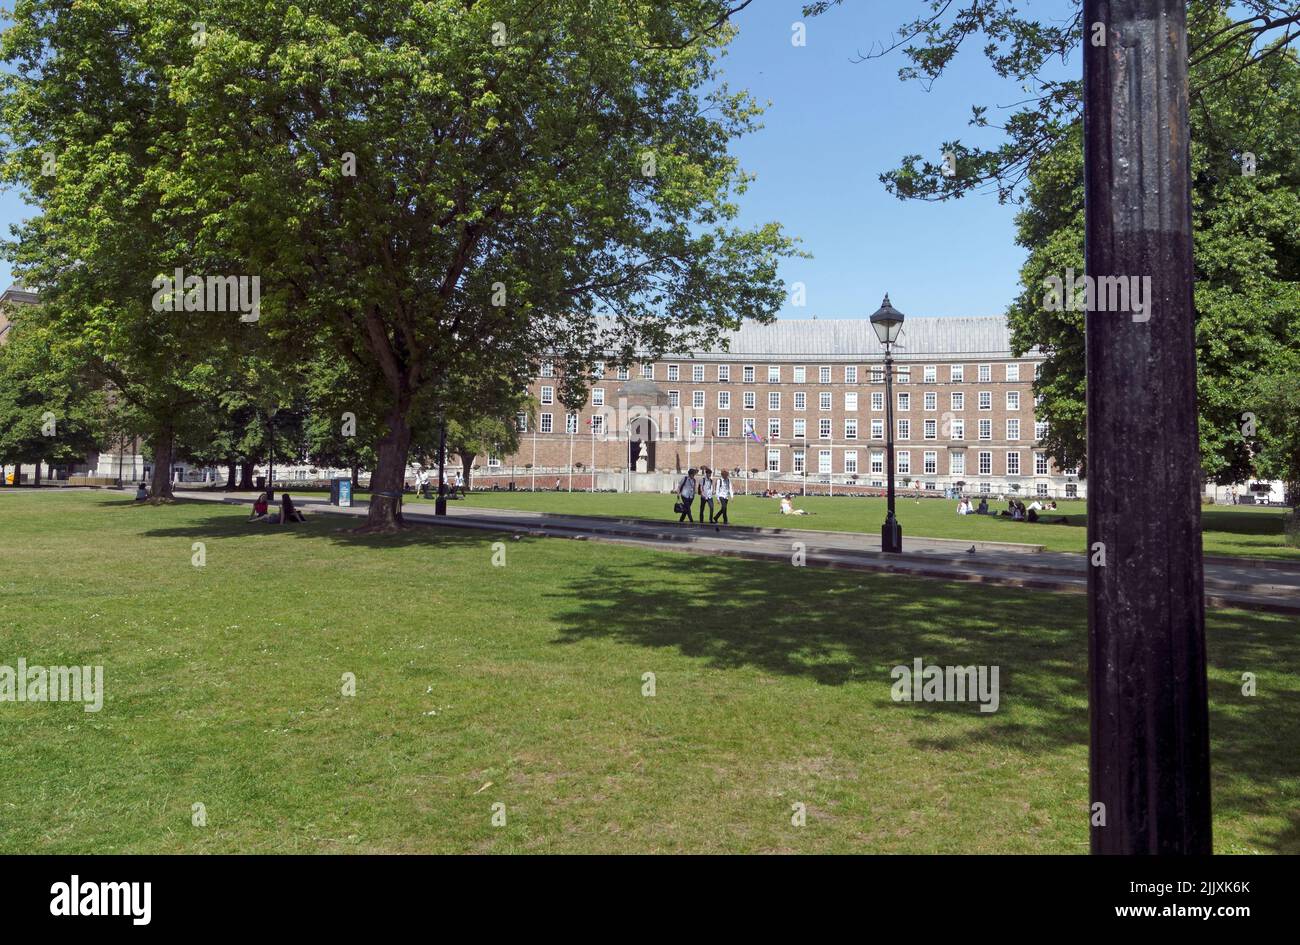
(141, 493)
(983, 507)
(287, 511)
(787, 508)
(261, 505)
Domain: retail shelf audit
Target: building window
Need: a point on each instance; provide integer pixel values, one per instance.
(1072, 490)
(904, 430)
(824, 400)
(986, 400)
(494, 462)
(724, 426)
(548, 395)
(724, 373)
(930, 430)
(598, 369)
(697, 373)
(985, 373)
(548, 369)
(724, 400)
(931, 400)
(1013, 429)
(571, 423)
(824, 429)
(877, 400)
(823, 462)
(1040, 464)
(750, 398)
(904, 400)
(851, 400)
(598, 424)
(796, 461)
(622, 374)
(877, 374)
(904, 375)
(673, 373)
(1040, 488)
(546, 421)
(850, 461)
(904, 461)
(1013, 372)
(929, 463)
(957, 463)
(800, 400)
(877, 429)
(800, 428)
(773, 428)
(986, 463)
(1013, 463)
(697, 400)
(648, 372)
(850, 429)
(958, 429)
(929, 374)
(958, 400)
(747, 374)
(877, 462)
(824, 374)
(773, 460)
(800, 374)
(521, 422)
(676, 426)
(674, 398)
(1040, 429)
(957, 373)
(850, 374)
(697, 426)
(774, 374)
(598, 396)
(748, 426)
(986, 429)
(1013, 400)
(773, 400)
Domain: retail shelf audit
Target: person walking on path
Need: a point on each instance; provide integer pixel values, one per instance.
(706, 495)
(686, 495)
(722, 492)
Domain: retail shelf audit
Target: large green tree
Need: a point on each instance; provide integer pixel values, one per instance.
(443, 190)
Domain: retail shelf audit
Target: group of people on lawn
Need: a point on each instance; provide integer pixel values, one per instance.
(709, 490)
(1016, 510)
(288, 511)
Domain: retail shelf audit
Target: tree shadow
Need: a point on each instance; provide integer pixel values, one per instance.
(839, 628)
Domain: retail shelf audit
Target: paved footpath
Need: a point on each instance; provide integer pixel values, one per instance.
(1250, 584)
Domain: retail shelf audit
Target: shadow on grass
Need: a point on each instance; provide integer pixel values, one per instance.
(838, 629)
(231, 521)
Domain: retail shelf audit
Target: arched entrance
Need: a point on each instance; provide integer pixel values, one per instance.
(641, 430)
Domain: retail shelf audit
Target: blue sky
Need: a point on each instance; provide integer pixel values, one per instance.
(832, 127)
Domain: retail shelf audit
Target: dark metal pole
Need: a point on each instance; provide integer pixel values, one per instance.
(270, 467)
(891, 535)
(1146, 610)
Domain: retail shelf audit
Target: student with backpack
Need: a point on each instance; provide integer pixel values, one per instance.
(686, 496)
(706, 495)
(722, 492)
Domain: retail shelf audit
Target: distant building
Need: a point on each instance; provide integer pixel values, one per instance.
(801, 403)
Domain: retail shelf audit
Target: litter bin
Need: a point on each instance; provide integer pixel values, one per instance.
(341, 492)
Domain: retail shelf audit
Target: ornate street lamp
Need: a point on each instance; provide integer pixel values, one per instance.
(888, 323)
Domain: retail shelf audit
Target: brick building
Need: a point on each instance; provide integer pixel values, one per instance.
(800, 403)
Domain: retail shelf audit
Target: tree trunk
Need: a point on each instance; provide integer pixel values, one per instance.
(356, 471)
(246, 476)
(389, 476)
(163, 452)
(230, 474)
(466, 464)
(36, 480)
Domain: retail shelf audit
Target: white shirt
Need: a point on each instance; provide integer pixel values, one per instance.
(723, 490)
(687, 490)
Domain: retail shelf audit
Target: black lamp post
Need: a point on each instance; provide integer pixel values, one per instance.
(888, 323)
(440, 503)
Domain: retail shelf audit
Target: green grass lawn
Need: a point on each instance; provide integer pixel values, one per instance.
(522, 685)
(1239, 530)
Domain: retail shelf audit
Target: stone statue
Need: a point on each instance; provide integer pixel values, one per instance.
(642, 458)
